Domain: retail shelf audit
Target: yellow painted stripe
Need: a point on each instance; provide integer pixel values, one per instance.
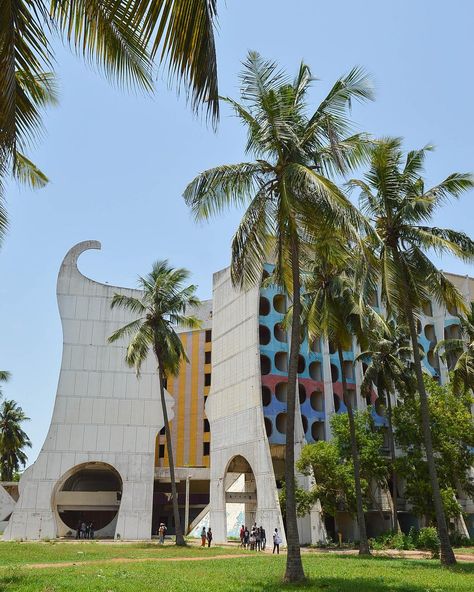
(195, 430)
(181, 404)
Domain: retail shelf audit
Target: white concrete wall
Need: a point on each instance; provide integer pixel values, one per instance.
(234, 405)
(102, 413)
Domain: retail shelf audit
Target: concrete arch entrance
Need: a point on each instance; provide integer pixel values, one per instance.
(89, 493)
(240, 488)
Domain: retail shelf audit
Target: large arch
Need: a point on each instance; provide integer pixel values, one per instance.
(240, 487)
(90, 492)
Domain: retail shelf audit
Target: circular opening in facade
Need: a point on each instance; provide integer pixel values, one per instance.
(332, 348)
(281, 361)
(428, 308)
(317, 401)
(280, 333)
(264, 306)
(433, 359)
(266, 396)
(348, 370)
(304, 421)
(315, 371)
(337, 402)
(281, 423)
(265, 364)
(380, 407)
(334, 373)
(430, 333)
(264, 335)
(316, 345)
(301, 364)
(317, 431)
(281, 391)
(301, 393)
(268, 426)
(78, 500)
(279, 303)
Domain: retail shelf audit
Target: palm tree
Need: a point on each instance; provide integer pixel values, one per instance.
(12, 440)
(4, 377)
(332, 310)
(461, 353)
(287, 192)
(387, 361)
(122, 37)
(163, 306)
(394, 197)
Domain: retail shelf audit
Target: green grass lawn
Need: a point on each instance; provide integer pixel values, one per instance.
(326, 573)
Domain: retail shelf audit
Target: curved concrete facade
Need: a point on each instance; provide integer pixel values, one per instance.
(102, 413)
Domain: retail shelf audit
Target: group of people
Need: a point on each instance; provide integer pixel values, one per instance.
(206, 536)
(256, 538)
(84, 530)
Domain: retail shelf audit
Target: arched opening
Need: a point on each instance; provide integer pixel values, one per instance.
(348, 369)
(280, 333)
(281, 423)
(240, 490)
(317, 431)
(332, 348)
(281, 361)
(453, 311)
(317, 401)
(428, 308)
(265, 364)
(433, 360)
(304, 421)
(264, 335)
(90, 494)
(301, 393)
(337, 402)
(281, 391)
(315, 371)
(266, 396)
(315, 345)
(334, 373)
(268, 426)
(430, 333)
(279, 303)
(301, 364)
(264, 306)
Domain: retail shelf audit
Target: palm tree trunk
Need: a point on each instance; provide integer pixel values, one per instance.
(294, 566)
(174, 494)
(447, 554)
(364, 543)
(391, 443)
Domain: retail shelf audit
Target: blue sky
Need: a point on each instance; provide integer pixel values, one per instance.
(119, 162)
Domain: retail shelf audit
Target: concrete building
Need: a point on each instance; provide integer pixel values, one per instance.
(105, 460)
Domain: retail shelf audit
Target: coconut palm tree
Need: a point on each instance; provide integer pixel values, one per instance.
(4, 377)
(387, 361)
(394, 197)
(460, 352)
(122, 37)
(13, 440)
(332, 309)
(163, 306)
(287, 193)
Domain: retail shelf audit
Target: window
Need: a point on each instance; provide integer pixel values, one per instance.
(206, 448)
(208, 336)
(207, 357)
(161, 451)
(207, 427)
(207, 379)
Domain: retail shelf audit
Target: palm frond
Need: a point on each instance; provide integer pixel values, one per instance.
(28, 173)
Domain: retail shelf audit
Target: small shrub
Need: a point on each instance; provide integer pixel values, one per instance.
(428, 540)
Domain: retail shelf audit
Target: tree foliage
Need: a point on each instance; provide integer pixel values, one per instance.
(452, 432)
(13, 440)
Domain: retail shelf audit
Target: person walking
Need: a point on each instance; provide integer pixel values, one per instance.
(91, 530)
(276, 541)
(263, 538)
(209, 537)
(203, 536)
(78, 530)
(246, 538)
(242, 535)
(161, 533)
(83, 530)
(258, 540)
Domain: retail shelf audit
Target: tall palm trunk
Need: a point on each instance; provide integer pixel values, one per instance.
(391, 443)
(177, 521)
(364, 543)
(447, 554)
(294, 566)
